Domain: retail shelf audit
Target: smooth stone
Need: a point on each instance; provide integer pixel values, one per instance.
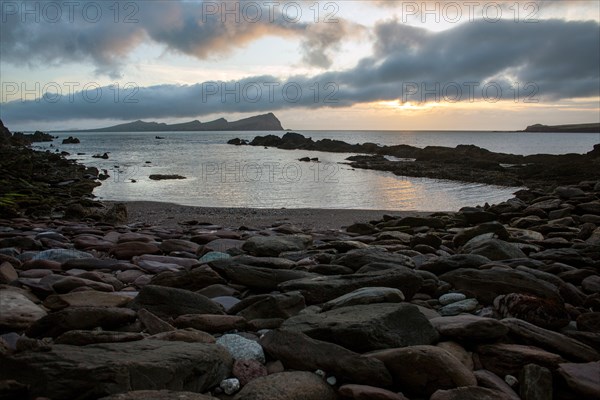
(166, 302)
(211, 323)
(183, 262)
(287, 386)
(152, 323)
(421, 370)
(494, 249)
(273, 246)
(450, 298)
(67, 372)
(284, 305)
(549, 340)
(156, 267)
(18, 310)
(188, 335)
(492, 381)
(61, 255)
(159, 395)
(83, 338)
(241, 348)
(8, 273)
(317, 290)
(128, 250)
(196, 279)
(365, 392)
(508, 359)
(582, 378)
(463, 306)
(171, 245)
(213, 256)
(248, 370)
(262, 279)
(367, 295)
(441, 265)
(356, 259)
(469, 393)
(299, 352)
(367, 327)
(70, 283)
(591, 284)
(81, 318)
(469, 328)
(488, 284)
(227, 302)
(90, 298)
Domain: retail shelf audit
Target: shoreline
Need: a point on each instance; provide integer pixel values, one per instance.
(171, 214)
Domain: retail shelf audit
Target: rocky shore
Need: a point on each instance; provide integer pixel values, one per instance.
(466, 163)
(493, 302)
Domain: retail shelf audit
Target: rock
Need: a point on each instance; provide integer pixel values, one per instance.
(71, 140)
(193, 280)
(262, 279)
(535, 383)
(248, 370)
(421, 370)
(162, 177)
(18, 311)
(146, 260)
(69, 283)
(188, 335)
(284, 305)
(89, 298)
(495, 228)
(355, 259)
(116, 214)
(272, 246)
(152, 323)
(61, 255)
(363, 392)
(492, 381)
(230, 386)
(445, 264)
(469, 393)
(83, 338)
(159, 395)
(591, 284)
(508, 359)
(59, 322)
(589, 322)
(211, 323)
(327, 288)
(362, 228)
(128, 250)
(544, 313)
(168, 302)
(494, 249)
(241, 348)
(549, 340)
(213, 256)
(367, 295)
(171, 245)
(450, 298)
(299, 352)
(89, 372)
(582, 378)
(287, 386)
(469, 328)
(8, 273)
(367, 327)
(459, 307)
(488, 284)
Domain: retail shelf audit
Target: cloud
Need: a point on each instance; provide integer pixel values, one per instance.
(550, 60)
(105, 33)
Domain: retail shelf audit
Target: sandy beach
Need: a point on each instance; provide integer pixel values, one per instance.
(170, 214)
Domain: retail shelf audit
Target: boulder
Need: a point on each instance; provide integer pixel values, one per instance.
(287, 386)
(494, 249)
(168, 302)
(128, 250)
(88, 298)
(241, 348)
(193, 280)
(272, 246)
(508, 359)
(582, 378)
(469, 328)
(365, 295)
(355, 259)
(284, 305)
(89, 372)
(367, 327)
(421, 370)
(298, 351)
(18, 310)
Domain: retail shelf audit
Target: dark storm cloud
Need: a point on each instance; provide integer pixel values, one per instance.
(104, 33)
(550, 60)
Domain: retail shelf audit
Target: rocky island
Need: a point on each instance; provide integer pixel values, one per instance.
(266, 122)
(496, 302)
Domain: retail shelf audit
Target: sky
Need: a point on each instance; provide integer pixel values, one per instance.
(318, 65)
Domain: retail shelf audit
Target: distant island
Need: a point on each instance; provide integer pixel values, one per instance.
(573, 128)
(266, 122)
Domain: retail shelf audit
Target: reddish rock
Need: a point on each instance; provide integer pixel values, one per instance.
(248, 370)
(287, 386)
(128, 250)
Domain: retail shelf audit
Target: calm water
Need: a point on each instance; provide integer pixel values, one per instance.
(221, 175)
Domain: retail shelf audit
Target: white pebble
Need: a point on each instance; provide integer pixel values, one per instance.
(331, 380)
(511, 380)
(321, 373)
(230, 386)
(450, 298)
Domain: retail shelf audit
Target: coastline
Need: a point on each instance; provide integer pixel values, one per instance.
(171, 214)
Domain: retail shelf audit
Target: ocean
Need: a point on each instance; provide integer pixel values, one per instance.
(222, 175)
